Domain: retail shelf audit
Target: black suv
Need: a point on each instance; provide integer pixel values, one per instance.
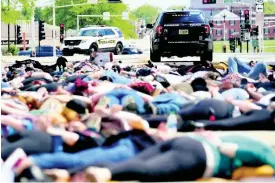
(181, 33)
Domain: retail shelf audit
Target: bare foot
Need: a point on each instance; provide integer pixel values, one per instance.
(94, 174)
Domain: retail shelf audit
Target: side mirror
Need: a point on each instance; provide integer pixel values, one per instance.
(149, 26)
(211, 24)
(100, 35)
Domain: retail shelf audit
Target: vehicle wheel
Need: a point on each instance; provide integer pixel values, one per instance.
(118, 49)
(155, 56)
(68, 53)
(207, 56)
(93, 48)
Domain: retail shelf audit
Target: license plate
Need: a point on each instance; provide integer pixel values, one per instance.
(183, 32)
(71, 47)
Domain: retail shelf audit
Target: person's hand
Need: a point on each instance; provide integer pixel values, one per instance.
(213, 88)
(263, 78)
(250, 88)
(77, 126)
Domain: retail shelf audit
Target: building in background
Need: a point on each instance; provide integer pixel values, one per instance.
(27, 29)
(232, 10)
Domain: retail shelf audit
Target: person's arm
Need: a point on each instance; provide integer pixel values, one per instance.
(12, 122)
(69, 138)
(244, 106)
(255, 95)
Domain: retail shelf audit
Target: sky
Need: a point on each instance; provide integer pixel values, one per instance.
(136, 3)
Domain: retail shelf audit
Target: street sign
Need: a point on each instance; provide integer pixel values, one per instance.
(260, 19)
(259, 6)
(125, 15)
(106, 15)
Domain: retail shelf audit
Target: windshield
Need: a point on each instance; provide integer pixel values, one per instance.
(90, 32)
(183, 17)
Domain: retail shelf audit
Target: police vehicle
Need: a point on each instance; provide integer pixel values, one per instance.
(93, 39)
(181, 33)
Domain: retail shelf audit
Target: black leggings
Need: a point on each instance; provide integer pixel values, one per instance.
(32, 142)
(178, 159)
(253, 120)
(200, 111)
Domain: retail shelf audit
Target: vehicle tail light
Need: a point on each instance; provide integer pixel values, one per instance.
(207, 29)
(159, 29)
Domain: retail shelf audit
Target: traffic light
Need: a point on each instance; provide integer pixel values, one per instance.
(246, 19)
(18, 35)
(41, 30)
(208, 1)
(62, 32)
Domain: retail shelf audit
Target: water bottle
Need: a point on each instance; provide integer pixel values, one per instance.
(172, 123)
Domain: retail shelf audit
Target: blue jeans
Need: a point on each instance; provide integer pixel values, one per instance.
(117, 78)
(122, 150)
(120, 97)
(237, 66)
(169, 102)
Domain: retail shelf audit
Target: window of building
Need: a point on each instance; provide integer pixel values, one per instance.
(274, 31)
(218, 22)
(253, 21)
(218, 32)
(232, 22)
(266, 31)
(231, 31)
(266, 22)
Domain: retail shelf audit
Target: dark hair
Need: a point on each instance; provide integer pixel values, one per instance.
(199, 84)
(251, 62)
(106, 78)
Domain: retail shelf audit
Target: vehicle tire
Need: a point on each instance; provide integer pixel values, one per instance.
(118, 49)
(155, 56)
(207, 56)
(93, 48)
(68, 53)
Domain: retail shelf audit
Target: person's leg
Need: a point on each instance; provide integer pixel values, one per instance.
(237, 66)
(32, 142)
(112, 100)
(184, 159)
(123, 150)
(259, 68)
(206, 108)
(254, 120)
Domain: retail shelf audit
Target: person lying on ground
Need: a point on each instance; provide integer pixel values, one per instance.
(187, 159)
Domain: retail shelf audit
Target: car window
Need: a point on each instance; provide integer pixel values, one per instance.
(109, 32)
(183, 17)
(102, 32)
(89, 32)
(119, 33)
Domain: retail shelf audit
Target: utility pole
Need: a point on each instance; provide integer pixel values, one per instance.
(240, 30)
(224, 28)
(9, 27)
(15, 34)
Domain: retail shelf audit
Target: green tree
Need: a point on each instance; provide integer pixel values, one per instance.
(68, 15)
(147, 12)
(37, 13)
(176, 7)
(13, 10)
(269, 7)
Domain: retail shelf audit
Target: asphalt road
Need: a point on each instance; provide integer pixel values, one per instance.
(218, 57)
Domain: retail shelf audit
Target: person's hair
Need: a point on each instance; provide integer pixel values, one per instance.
(106, 78)
(251, 62)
